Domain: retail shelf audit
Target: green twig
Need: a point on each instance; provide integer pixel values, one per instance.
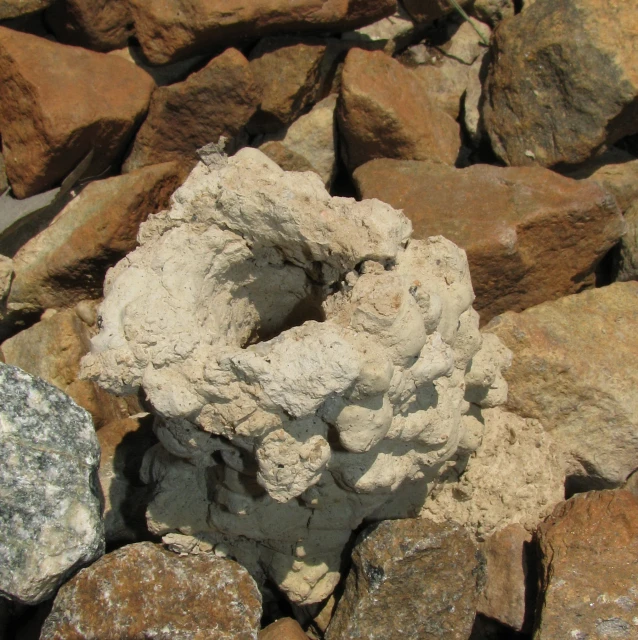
(460, 9)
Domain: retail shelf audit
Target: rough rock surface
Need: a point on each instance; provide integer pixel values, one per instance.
(42, 140)
(4, 183)
(144, 591)
(50, 522)
(410, 579)
(384, 111)
(304, 357)
(532, 236)
(492, 11)
(283, 629)
(628, 258)
(574, 369)
(589, 573)
(14, 8)
(427, 11)
(216, 101)
(574, 59)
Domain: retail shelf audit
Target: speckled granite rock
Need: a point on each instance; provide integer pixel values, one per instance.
(47, 528)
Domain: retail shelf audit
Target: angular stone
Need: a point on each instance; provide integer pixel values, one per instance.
(67, 262)
(283, 629)
(15, 8)
(532, 236)
(627, 268)
(589, 574)
(427, 11)
(53, 114)
(50, 522)
(574, 60)
(144, 591)
(385, 112)
(492, 11)
(412, 576)
(216, 101)
(574, 369)
(167, 32)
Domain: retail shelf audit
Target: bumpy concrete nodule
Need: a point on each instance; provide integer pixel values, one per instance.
(304, 358)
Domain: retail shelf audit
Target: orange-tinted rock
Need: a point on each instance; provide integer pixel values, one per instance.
(57, 102)
(384, 111)
(142, 591)
(589, 574)
(216, 101)
(283, 629)
(426, 11)
(530, 234)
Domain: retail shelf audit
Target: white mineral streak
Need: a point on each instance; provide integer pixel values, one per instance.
(304, 357)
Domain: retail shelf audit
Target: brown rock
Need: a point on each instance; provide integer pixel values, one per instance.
(58, 102)
(410, 579)
(627, 268)
(142, 591)
(426, 11)
(631, 484)
(4, 184)
(216, 101)
(68, 260)
(283, 629)
(385, 112)
(574, 369)
(564, 81)
(589, 573)
(14, 8)
(531, 235)
(492, 11)
(168, 32)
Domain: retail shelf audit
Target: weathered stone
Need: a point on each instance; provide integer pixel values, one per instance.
(50, 521)
(309, 144)
(6, 276)
(492, 11)
(283, 629)
(627, 268)
(589, 574)
(472, 118)
(574, 60)
(53, 114)
(15, 8)
(631, 484)
(101, 25)
(216, 101)
(410, 579)
(427, 11)
(4, 184)
(168, 32)
(385, 112)
(532, 236)
(143, 591)
(574, 369)
(67, 261)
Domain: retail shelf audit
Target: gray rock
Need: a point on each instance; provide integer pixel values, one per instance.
(50, 505)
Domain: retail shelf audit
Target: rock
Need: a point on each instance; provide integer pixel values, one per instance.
(472, 99)
(283, 629)
(631, 484)
(4, 184)
(515, 477)
(262, 337)
(309, 144)
(427, 11)
(573, 59)
(15, 8)
(67, 261)
(6, 276)
(567, 373)
(627, 268)
(492, 11)
(49, 529)
(385, 112)
(532, 236)
(216, 101)
(167, 33)
(410, 579)
(102, 25)
(41, 139)
(588, 552)
(143, 591)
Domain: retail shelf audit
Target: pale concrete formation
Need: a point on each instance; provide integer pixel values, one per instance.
(304, 356)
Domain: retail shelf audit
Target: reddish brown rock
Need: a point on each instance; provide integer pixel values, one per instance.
(563, 81)
(216, 101)
(410, 579)
(530, 234)
(143, 591)
(3, 176)
(589, 575)
(58, 102)
(168, 32)
(283, 629)
(426, 11)
(385, 112)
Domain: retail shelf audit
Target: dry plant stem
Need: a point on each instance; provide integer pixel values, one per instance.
(460, 9)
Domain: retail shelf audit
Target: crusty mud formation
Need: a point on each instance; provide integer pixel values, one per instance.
(304, 359)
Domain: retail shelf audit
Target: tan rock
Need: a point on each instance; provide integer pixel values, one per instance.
(143, 591)
(628, 258)
(531, 235)
(283, 629)
(15, 8)
(574, 369)
(385, 112)
(426, 11)
(53, 113)
(67, 262)
(216, 101)
(492, 11)
(631, 484)
(574, 60)
(589, 572)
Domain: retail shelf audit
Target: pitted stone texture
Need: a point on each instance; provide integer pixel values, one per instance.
(410, 579)
(50, 511)
(15, 8)
(144, 591)
(574, 60)
(305, 359)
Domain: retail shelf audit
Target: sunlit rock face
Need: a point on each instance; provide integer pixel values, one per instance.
(304, 359)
